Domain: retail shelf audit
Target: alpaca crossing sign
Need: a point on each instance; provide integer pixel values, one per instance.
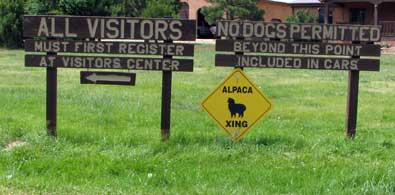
(236, 104)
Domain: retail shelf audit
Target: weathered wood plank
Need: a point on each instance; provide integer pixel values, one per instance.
(297, 62)
(108, 78)
(109, 28)
(96, 62)
(260, 30)
(138, 48)
(304, 48)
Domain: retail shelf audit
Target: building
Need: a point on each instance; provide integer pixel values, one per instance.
(336, 11)
(279, 10)
(275, 10)
(367, 12)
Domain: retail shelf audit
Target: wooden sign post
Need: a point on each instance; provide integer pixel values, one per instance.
(52, 90)
(352, 101)
(166, 100)
(76, 34)
(303, 46)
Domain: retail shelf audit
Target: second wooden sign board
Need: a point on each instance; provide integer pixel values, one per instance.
(294, 46)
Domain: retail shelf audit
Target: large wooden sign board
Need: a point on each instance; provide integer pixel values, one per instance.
(302, 46)
(111, 37)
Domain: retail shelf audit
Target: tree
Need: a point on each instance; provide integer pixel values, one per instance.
(85, 7)
(231, 10)
(302, 16)
(130, 8)
(162, 8)
(35, 7)
(11, 23)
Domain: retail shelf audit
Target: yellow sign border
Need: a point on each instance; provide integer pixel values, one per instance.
(254, 86)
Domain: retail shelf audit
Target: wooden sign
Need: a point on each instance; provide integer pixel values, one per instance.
(305, 48)
(101, 35)
(96, 62)
(302, 46)
(109, 47)
(108, 78)
(109, 28)
(260, 30)
(297, 62)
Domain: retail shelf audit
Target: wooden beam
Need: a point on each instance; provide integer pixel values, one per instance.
(352, 104)
(376, 18)
(326, 12)
(354, 1)
(52, 86)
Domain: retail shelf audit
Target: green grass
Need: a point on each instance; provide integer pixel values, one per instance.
(109, 136)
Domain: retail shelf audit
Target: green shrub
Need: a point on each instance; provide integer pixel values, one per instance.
(11, 23)
(131, 8)
(36, 7)
(161, 8)
(231, 10)
(302, 16)
(85, 7)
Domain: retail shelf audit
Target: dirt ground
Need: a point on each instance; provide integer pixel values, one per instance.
(388, 50)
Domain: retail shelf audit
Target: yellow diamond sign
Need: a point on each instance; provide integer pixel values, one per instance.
(236, 104)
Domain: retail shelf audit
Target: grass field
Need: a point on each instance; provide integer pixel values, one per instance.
(109, 136)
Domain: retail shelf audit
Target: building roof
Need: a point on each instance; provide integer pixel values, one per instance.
(298, 1)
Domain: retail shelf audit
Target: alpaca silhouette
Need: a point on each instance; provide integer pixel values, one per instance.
(236, 108)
